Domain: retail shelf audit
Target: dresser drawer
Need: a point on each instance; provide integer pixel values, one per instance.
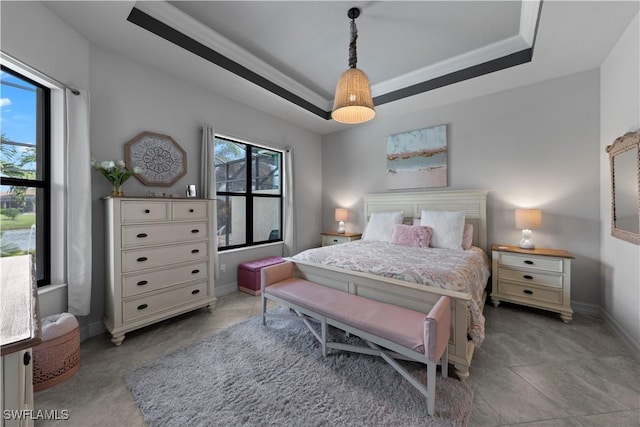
(189, 210)
(138, 235)
(158, 279)
(529, 276)
(151, 304)
(530, 292)
(531, 262)
(140, 259)
(140, 211)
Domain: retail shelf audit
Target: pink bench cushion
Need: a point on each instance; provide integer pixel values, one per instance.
(397, 324)
(436, 329)
(259, 264)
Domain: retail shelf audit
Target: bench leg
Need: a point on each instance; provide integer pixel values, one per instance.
(431, 387)
(444, 363)
(264, 309)
(323, 332)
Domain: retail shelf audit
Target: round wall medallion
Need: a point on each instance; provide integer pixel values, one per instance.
(162, 160)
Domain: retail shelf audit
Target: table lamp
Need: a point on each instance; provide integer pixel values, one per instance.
(341, 216)
(528, 219)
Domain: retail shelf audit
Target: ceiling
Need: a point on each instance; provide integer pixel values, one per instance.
(285, 57)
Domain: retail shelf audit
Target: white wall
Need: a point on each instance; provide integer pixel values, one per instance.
(619, 113)
(34, 35)
(128, 97)
(535, 146)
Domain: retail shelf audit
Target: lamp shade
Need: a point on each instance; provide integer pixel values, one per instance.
(341, 214)
(353, 103)
(528, 218)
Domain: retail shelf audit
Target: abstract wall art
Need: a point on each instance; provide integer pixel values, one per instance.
(417, 158)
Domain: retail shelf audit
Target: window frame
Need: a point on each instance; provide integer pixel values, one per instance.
(43, 137)
(249, 194)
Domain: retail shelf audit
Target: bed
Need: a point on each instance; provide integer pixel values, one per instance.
(379, 272)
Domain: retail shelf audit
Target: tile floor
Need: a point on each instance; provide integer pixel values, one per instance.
(532, 370)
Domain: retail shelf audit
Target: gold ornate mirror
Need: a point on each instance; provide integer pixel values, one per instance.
(624, 161)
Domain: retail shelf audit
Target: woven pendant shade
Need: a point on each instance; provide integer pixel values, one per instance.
(353, 103)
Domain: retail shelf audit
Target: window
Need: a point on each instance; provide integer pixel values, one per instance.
(24, 170)
(249, 193)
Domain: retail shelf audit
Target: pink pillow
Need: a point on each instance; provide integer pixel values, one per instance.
(467, 236)
(408, 235)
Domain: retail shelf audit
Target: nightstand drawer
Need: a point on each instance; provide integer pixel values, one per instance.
(334, 240)
(530, 292)
(531, 262)
(527, 276)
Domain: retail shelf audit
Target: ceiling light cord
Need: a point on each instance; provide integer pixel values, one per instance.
(353, 56)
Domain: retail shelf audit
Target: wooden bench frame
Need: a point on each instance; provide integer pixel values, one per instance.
(377, 346)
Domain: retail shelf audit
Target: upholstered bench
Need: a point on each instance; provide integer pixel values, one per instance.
(249, 273)
(390, 332)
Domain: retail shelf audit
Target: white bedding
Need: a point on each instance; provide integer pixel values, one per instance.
(458, 270)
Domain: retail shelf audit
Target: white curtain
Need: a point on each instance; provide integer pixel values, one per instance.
(208, 185)
(289, 234)
(78, 207)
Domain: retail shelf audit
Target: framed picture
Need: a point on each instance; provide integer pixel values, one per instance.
(162, 160)
(418, 158)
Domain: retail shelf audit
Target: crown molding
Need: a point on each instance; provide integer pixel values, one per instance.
(178, 20)
(172, 24)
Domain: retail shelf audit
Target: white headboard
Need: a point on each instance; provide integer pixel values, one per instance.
(472, 202)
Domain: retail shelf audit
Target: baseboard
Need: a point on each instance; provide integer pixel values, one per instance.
(227, 288)
(631, 343)
(584, 308)
(91, 330)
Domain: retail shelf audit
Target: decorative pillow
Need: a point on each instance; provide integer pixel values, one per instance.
(447, 228)
(380, 226)
(467, 236)
(408, 235)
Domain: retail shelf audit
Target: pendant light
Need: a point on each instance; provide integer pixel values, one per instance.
(353, 103)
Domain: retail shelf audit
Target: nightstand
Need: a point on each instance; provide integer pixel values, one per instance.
(538, 278)
(333, 238)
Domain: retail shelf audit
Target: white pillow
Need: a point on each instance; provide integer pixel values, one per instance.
(447, 226)
(381, 225)
(467, 234)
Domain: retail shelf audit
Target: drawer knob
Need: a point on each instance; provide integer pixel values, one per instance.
(195, 231)
(142, 306)
(142, 283)
(335, 240)
(528, 261)
(142, 259)
(528, 277)
(195, 251)
(195, 272)
(528, 292)
(142, 235)
(191, 210)
(196, 291)
(147, 211)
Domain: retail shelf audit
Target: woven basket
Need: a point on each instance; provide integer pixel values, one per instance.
(56, 360)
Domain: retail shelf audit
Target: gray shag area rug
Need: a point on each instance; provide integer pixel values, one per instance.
(275, 375)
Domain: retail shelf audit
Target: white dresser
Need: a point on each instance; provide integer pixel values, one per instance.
(158, 261)
(538, 278)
